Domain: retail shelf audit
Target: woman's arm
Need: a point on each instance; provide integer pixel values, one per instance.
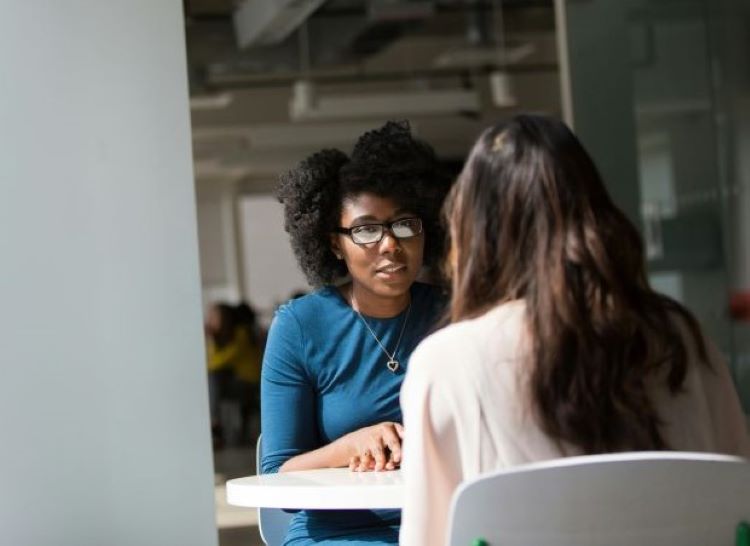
(289, 420)
(370, 448)
(288, 409)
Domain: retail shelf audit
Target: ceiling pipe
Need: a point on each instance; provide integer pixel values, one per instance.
(267, 22)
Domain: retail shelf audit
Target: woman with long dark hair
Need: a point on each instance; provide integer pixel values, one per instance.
(558, 346)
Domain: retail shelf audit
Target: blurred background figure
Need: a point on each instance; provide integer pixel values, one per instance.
(250, 335)
(234, 344)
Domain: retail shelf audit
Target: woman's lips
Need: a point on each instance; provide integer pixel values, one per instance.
(390, 271)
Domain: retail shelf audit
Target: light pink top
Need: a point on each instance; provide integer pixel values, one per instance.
(466, 414)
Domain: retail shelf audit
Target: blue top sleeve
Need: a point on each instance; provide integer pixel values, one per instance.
(288, 416)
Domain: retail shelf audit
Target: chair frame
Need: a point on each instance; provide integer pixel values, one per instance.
(267, 516)
(645, 498)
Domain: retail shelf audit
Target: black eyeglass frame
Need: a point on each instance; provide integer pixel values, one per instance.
(385, 226)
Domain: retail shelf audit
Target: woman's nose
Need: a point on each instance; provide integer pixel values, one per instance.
(389, 242)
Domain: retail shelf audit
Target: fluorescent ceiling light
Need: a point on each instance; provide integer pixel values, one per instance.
(306, 105)
(476, 57)
(213, 168)
(211, 102)
(276, 136)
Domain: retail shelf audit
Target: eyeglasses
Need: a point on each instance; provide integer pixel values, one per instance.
(364, 234)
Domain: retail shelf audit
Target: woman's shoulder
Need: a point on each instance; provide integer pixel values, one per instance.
(310, 313)
(474, 342)
(506, 318)
(301, 321)
(310, 304)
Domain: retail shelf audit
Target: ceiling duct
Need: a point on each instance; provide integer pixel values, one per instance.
(307, 105)
(482, 57)
(388, 10)
(211, 102)
(387, 21)
(267, 22)
(281, 136)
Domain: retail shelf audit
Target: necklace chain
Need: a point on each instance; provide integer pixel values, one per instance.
(392, 364)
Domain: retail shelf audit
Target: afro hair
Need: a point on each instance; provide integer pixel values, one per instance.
(387, 162)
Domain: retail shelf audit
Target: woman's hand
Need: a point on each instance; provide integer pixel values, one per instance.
(371, 448)
(375, 448)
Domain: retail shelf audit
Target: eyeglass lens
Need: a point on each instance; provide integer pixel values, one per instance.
(401, 229)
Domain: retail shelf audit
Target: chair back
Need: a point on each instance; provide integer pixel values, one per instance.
(272, 522)
(646, 498)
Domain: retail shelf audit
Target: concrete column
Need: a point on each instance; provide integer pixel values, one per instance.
(103, 402)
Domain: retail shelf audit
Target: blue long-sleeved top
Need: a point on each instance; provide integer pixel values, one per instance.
(323, 376)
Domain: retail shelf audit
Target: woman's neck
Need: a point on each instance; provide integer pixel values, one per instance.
(374, 305)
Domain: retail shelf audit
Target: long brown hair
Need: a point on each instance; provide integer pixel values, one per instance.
(529, 218)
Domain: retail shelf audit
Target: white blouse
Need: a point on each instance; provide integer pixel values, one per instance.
(466, 413)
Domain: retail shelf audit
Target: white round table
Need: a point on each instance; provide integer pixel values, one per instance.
(324, 489)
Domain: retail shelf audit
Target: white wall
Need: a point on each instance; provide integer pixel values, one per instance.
(245, 253)
(271, 270)
(220, 261)
(103, 405)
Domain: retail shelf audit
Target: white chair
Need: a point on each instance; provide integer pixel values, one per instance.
(272, 522)
(643, 498)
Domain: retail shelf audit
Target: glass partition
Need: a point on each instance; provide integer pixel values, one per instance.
(658, 95)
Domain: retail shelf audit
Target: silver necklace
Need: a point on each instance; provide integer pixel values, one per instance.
(392, 363)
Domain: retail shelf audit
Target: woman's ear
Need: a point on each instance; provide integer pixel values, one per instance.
(336, 247)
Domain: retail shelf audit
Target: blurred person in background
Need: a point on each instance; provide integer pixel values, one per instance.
(234, 357)
(251, 339)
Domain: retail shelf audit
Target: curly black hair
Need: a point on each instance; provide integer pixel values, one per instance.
(387, 162)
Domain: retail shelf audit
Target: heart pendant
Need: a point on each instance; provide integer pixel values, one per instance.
(392, 365)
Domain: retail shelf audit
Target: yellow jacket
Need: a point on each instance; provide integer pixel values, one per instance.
(241, 354)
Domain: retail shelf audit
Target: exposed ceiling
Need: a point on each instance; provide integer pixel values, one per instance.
(361, 62)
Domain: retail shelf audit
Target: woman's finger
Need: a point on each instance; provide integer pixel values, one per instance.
(365, 460)
(378, 453)
(353, 463)
(392, 440)
(399, 430)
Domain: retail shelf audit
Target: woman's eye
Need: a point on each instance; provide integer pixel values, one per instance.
(364, 230)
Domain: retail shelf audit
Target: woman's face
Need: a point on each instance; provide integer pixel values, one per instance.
(386, 268)
(213, 320)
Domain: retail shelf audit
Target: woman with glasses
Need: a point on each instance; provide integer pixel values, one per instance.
(558, 346)
(361, 227)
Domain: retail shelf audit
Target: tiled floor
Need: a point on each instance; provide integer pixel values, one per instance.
(239, 536)
(237, 526)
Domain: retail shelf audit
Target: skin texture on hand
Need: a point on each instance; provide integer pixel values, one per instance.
(380, 448)
(377, 447)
